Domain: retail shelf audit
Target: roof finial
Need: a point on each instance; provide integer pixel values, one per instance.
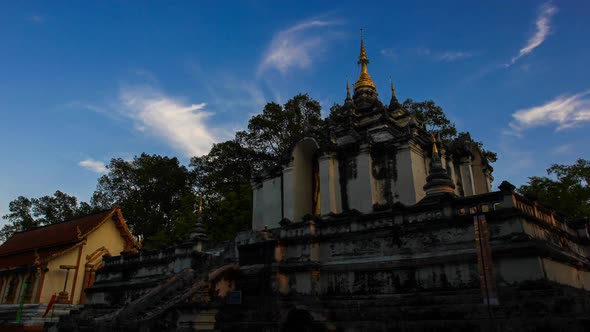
(394, 104)
(199, 232)
(347, 90)
(392, 87)
(364, 79)
(438, 181)
(434, 148)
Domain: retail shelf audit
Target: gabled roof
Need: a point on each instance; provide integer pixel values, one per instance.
(40, 244)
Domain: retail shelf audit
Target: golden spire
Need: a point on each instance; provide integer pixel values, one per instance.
(392, 88)
(434, 148)
(347, 90)
(364, 79)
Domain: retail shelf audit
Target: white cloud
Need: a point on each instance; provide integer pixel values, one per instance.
(564, 111)
(93, 165)
(181, 125)
(35, 19)
(564, 149)
(451, 56)
(433, 55)
(295, 46)
(543, 24)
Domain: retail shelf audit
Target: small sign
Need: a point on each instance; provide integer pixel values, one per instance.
(234, 297)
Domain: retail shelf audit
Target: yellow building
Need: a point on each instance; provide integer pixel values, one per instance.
(61, 259)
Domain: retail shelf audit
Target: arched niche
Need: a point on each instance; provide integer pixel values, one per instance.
(305, 178)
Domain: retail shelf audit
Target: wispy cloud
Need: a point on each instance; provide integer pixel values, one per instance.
(425, 52)
(296, 46)
(35, 19)
(94, 165)
(181, 125)
(451, 56)
(564, 149)
(565, 111)
(543, 24)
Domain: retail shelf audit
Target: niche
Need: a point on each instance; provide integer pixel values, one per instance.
(306, 180)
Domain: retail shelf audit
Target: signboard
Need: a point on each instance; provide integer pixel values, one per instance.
(234, 297)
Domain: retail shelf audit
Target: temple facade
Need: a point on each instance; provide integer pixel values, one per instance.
(371, 224)
(370, 157)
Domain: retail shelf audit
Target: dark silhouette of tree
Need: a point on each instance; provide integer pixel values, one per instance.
(568, 193)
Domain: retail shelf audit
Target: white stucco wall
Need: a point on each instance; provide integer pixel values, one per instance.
(411, 174)
(566, 274)
(517, 269)
(271, 189)
(359, 188)
(257, 211)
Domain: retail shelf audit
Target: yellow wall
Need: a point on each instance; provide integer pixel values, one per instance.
(55, 277)
(107, 236)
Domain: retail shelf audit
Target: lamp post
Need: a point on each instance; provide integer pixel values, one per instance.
(64, 297)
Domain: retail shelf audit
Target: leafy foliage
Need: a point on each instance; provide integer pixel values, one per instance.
(26, 214)
(224, 174)
(569, 192)
(434, 119)
(151, 190)
(273, 132)
(432, 116)
(223, 177)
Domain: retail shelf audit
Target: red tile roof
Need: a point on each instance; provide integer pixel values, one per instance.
(23, 247)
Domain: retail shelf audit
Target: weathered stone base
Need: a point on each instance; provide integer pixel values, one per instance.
(523, 308)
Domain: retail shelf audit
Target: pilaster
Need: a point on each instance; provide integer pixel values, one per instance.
(467, 176)
(359, 188)
(330, 198)
(411, 173)
(288, 194)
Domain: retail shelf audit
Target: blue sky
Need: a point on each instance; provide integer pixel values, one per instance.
(84, 82)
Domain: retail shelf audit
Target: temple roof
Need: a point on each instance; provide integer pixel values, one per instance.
(42, 243)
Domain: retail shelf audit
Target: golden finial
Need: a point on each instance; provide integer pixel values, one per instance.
(392, 87)
(364, 78)
(347, 90)
(434, 148)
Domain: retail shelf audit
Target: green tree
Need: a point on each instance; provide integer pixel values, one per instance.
(273, 132)
(26, 214)
(432, 116)
(434, 119)
(55, 209)
(151, 190)
(224, 174)
(568, 193)
(19, 219)
(223, 177)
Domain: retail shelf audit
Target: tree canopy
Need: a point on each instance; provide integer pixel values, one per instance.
(434, 119)
(153, 191)
(224, 174)
(26, 214)
(568, 192)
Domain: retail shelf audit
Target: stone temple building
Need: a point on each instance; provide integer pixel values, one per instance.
(372, 224)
